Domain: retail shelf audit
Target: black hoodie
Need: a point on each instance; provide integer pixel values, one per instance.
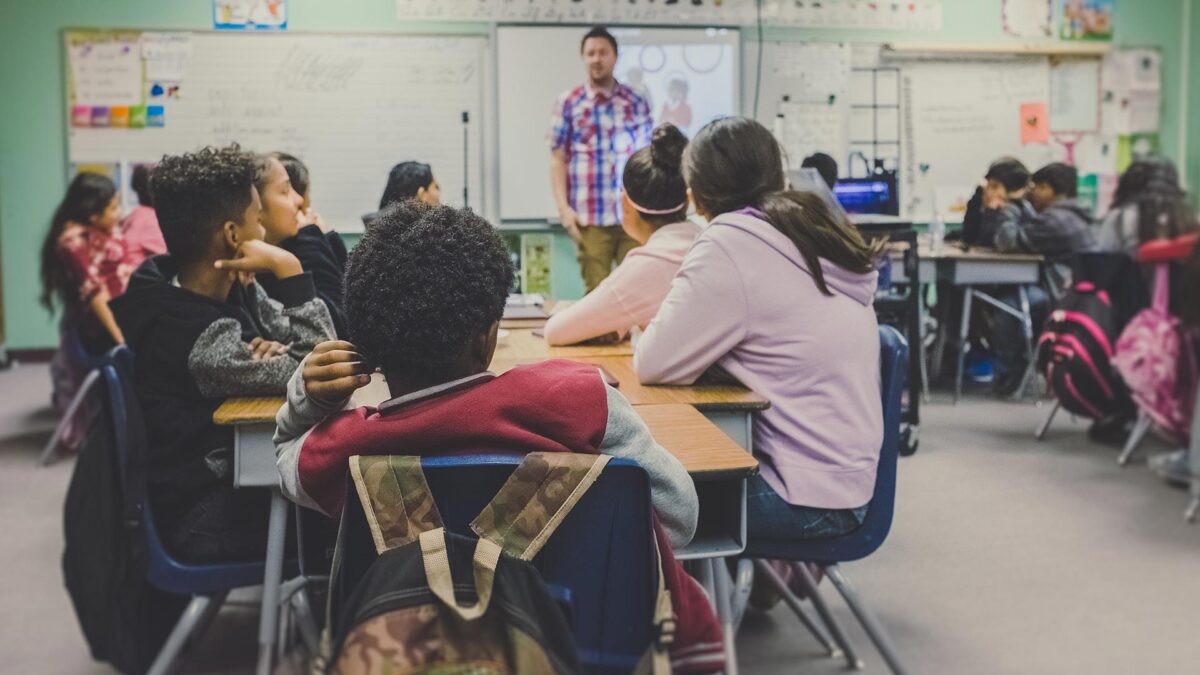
(324, 256)
(191, 353)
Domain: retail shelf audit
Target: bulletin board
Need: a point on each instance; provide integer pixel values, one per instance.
(350, 106)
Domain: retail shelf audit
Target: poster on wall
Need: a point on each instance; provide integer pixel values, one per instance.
(1087, 20)
(250, 14)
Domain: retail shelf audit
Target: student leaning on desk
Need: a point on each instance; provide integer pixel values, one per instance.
(443, 274)
(778, 291)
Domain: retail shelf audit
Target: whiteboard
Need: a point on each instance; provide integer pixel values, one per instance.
(536, 64)
(350, 106)
(958, 117)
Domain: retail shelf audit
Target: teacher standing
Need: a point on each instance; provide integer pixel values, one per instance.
(596, 127)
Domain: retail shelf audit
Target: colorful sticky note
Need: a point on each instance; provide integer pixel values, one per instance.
(1035, 123)
(100, 116)
(155, 116)
(81, 116)
(118, 116)
(137, 116)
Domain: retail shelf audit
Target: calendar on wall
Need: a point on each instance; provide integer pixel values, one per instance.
(918, 15)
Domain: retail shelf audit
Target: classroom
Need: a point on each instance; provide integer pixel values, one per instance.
(600, 336)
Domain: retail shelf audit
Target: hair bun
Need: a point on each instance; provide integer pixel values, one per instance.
(667, 143)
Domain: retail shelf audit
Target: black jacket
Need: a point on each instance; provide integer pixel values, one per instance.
(324, 256)
(191, 353)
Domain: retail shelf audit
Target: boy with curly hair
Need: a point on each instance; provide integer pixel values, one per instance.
(201, 331)
(425, 291)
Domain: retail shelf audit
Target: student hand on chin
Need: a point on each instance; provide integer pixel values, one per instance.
(255, 255)
(333, 371)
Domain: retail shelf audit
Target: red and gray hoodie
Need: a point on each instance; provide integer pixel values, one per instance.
(553, 406)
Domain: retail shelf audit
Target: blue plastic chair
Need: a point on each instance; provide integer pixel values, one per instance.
(862, 542)
(207, 584)
(82, 360)
(599, 564)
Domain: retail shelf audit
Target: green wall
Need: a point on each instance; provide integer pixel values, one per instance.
(1193, 152)
(32, 140)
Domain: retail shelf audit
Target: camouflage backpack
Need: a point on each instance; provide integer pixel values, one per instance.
(409, 613)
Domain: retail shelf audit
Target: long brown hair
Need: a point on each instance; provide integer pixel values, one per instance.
(89, 194)
(735, 162)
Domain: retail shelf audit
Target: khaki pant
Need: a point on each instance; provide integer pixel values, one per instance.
(599, 249)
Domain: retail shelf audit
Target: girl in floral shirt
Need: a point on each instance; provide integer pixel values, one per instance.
(85, 263)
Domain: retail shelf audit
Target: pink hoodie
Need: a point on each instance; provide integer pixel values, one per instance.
(744, 299)
(631, 295)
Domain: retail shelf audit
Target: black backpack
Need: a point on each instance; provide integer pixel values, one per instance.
(124, 619)
(1075, 354)
(403, 610)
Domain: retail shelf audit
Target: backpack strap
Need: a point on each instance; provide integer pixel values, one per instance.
(395, 498)
(441, 581)
(535, 499)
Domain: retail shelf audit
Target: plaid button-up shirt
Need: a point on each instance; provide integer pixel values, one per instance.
(599, 131)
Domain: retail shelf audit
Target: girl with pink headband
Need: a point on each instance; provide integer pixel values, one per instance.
(654, 207)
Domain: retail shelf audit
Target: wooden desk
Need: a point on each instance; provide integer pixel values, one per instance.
(719, 468)
(522, 346)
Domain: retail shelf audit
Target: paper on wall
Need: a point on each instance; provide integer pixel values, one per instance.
(1075, 95)
(1027, 18)
(106, 73)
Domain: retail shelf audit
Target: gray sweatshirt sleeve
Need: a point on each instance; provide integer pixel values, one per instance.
(671, 489)
(293, 424)
(1010, 228)
(223, 365)
(301, 320)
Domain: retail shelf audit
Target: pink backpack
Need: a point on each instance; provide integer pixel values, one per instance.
(1155, 355)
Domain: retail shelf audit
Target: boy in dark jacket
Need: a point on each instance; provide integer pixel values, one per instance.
(201, 330)
(1000, 198)
(1053, 224)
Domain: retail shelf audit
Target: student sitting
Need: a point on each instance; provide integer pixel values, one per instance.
(293, 228)
(1001, 198)
(408, 180)
(1149, 204)
(778, 292)
(140, 228)
(201, 330)
(654, 212)
(825, 165)
(85, 263)
(1056, 225)
(425, 290)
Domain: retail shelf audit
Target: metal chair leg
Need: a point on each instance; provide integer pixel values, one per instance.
(1030, 355)
(793, 603)
(1045, 425)
(827, 617)
(869, 623)
(50, 452)
(1192, 509)
(193, 617)
(743, 583)
(307, 622)
(963, 335)
(1135, 438)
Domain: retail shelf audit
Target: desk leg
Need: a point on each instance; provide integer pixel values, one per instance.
(1027, 325)
(269, 618)
(922, 316)
(963, 334)
(724, 590)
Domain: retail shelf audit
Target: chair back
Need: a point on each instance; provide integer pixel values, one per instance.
(599, 564)
(863, 541)
(129, 436)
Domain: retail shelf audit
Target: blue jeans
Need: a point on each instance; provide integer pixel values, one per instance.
(768, 516)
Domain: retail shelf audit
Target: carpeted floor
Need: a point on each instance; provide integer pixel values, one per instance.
(1007, 556)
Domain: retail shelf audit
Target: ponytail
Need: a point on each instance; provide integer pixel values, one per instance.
(818, 232)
